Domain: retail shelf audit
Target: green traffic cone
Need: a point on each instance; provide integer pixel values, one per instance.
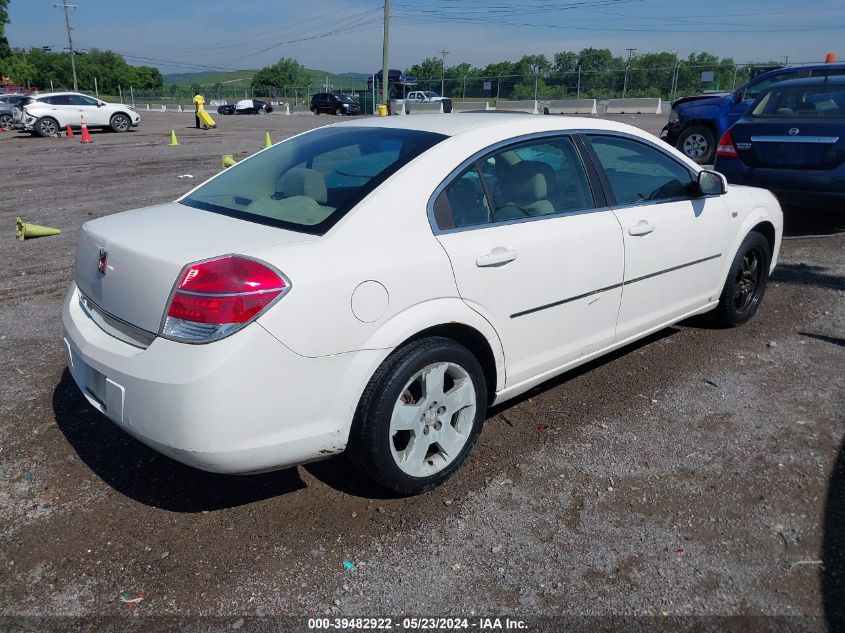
(228, 161)
(25, 231)
(267, 141)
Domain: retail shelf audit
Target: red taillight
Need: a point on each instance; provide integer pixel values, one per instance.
(217, 297)
(726, 146)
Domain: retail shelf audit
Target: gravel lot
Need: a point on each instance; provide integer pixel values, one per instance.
(699, 473)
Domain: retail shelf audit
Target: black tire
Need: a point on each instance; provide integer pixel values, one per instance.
(746, 283)
(6, 121)
(370, 442)
(46, 126)
(338, 112)
(698, 142)
(316, 111)
(120, 123)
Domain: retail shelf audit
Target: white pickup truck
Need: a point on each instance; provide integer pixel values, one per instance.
(427, 96)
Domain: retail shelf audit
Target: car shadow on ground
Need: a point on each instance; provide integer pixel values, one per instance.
(807, 275)
(832, 571)
(146, 476)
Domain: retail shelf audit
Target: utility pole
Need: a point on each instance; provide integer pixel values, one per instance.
(443, 54)
(631, 52)
(67, 6)
(384, 51)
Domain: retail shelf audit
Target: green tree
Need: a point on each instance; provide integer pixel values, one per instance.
(5, 51)
(285, 72)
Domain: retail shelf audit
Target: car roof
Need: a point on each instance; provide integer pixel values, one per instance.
(836, 80)
(59, 94)
(792, 69)
(457, 123)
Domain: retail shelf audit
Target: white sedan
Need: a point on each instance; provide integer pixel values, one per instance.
(374, 286)
(50, 113)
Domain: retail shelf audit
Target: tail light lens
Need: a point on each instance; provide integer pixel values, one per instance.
(216, 298)
(726, 147)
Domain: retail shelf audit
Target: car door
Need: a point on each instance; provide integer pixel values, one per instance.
(95, 115)
(59, 107)
(535, 251)
(675, 241)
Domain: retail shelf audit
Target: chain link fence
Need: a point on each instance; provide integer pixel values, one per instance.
(668, 83)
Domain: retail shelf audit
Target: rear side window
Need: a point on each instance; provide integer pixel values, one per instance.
(57, 100)
(309, 182)
(537, 178)
(638, 172)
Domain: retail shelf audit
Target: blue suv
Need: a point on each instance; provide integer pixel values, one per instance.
(697, 123)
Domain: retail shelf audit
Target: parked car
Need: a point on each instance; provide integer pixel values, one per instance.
(696, 123)
(7, 116)
(427, 96)
(333, 104)
(398, 83)
(374, 286)
(49, 113)
(9, 108)
(246, 106)
(791, 141)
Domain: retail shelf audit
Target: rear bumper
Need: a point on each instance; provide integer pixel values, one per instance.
(242, 404)
(792, 186)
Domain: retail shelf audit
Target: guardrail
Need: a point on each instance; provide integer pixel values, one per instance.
(633, 106)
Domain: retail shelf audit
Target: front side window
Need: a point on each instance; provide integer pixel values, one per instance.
(531, 179)
(309, 182)
(80, 100)
(754, 90)
(638, 172)
(822, 100)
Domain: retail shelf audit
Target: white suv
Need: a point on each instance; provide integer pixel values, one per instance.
(49, 113)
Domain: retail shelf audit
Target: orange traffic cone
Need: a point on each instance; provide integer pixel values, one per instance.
(69, 131)
(86, 136)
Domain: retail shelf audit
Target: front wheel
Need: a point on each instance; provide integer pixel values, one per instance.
(6, 121)
(746, 282)
(698, 142)
(120, 123)
(419, 416)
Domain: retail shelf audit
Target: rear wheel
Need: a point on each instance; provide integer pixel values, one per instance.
(120, 123)
(746, 282)
(419, 416)
(698, 142)
(46, 127)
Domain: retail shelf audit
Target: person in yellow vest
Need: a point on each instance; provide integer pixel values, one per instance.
(199, 104)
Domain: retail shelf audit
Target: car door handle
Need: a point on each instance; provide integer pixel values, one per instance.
(497, 257)
(641, 228)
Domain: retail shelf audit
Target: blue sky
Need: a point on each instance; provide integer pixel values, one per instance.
(345, 35)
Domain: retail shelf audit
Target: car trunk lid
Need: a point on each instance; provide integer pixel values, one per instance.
(128, 263)
(792, 144)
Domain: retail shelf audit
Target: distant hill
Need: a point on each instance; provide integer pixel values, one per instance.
(242, 79)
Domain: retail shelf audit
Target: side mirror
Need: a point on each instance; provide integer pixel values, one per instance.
(100, 104)
(711, 183)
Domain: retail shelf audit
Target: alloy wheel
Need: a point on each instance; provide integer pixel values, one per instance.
(747, 280)
(695, 146)
(432, 419)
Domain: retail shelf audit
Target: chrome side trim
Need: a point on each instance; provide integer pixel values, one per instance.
(795, 139)
(115, 326)
(614, 286)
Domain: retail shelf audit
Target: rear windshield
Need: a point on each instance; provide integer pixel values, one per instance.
(818, 101)
(311, 181)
